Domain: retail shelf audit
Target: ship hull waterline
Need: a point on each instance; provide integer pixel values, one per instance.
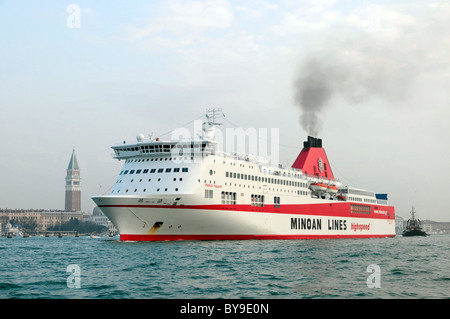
(160, 223)
(414, 232)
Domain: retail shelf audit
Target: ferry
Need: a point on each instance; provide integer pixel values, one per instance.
(191, 190)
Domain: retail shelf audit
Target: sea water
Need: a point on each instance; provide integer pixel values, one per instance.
(105, 268)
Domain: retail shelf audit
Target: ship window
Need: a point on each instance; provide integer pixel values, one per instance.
(229, 198)
(168, 170)
(160, 170)
(276, 201)
(138, 171)
(257, 200)
(208, 193)
(145, 171)
(125, 173)
(185, 169)
(176, 170)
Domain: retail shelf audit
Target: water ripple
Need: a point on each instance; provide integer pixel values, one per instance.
(37, 268)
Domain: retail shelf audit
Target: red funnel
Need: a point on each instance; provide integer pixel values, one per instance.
(313, 160)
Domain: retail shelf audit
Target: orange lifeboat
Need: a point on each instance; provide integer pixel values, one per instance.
(318, 187)
(332, 189)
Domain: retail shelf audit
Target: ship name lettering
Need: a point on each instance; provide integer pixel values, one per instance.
(337, 224)
(306, 223)
(213, 185)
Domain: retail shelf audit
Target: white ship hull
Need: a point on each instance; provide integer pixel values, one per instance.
(155, 223)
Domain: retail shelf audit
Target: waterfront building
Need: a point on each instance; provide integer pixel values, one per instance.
(38, 219)
(99, 218)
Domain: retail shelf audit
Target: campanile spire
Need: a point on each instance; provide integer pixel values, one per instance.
(73, 185)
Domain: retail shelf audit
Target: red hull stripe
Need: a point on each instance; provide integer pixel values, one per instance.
(128, 237)
(329, 209)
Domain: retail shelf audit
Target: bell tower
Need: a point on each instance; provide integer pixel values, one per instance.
(73, 185)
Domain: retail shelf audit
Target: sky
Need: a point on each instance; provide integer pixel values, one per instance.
(370, 78)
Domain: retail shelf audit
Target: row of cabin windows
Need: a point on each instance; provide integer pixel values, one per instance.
(360, 209)
(360, 199)
(355, 199)
(140, 180)
(229, 198)
(257, 200)
(143, 191)
(265, 179)
(154, 170)
(158, 159)
(159, 147)
(299, 192)
(357, 192)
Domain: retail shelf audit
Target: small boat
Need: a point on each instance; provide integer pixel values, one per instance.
(332, 189)
(413, 226)
(318, 187)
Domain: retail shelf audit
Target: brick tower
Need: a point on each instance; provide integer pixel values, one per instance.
(73, 185)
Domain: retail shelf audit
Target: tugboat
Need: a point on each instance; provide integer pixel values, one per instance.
(413, 226)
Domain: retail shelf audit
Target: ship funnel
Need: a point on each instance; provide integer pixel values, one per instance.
(312, 142)
(313, 160)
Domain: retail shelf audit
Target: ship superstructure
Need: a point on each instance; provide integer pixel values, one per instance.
(189, 189)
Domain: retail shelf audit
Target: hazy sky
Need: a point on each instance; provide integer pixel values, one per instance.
(377, 71)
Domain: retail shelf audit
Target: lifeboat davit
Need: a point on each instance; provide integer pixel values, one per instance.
(318, 187)
(332, 189)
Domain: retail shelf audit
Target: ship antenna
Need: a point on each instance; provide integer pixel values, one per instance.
(212, 114)
(209, 126)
